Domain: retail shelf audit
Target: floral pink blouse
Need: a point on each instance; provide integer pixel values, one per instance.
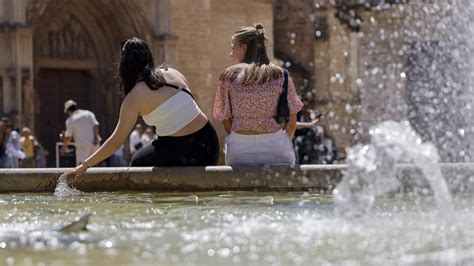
(253, 107)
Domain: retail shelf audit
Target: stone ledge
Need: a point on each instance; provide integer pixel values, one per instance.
(213, 178)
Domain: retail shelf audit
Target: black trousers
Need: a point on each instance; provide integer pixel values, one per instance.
(198, 149)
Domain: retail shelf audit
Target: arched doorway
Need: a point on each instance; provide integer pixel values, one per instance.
(76, 44)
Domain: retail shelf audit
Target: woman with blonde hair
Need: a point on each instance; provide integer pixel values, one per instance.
(247, 99)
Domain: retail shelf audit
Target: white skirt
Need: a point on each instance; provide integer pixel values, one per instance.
(273, 148)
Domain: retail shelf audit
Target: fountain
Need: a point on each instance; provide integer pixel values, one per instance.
(375, 216)
(62, 189)
(372, 168)
(426, 78)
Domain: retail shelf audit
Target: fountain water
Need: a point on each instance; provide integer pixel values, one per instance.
(62, 189)
(419, 68)
(262, 228)
(372, 168)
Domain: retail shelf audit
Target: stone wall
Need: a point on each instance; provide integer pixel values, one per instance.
(321, 54)
(192, 35)
(294, 41)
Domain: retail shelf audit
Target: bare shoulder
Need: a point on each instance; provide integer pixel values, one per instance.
(137, 90)
(133, 97)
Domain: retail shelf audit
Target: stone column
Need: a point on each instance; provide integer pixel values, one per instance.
(165, 41)
(17, 61)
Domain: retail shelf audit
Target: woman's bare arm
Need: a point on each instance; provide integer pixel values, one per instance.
(227, 125)
(128, 117)
(291, 125)
(301, 125)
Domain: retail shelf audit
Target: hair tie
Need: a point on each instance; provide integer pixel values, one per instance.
(260, 31)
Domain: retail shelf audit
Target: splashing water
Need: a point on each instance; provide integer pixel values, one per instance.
(62, 190)
(372, 168)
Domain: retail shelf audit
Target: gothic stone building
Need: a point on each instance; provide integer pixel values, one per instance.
(357, 57)
(54, 50)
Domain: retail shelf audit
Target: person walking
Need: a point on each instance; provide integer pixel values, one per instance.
(28, 144)
(246, 103)
(136, 139)
(82, 127)
(148, 137)
(163, 98)
(13, 149)
(3, 140)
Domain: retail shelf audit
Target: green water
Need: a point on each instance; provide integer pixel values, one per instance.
(226, 228)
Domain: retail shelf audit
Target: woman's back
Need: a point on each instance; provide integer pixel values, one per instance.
(247, 99)
(153, 104)
(151, 99)
(252, 107)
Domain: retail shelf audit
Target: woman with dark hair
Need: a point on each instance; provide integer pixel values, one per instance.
(162, 97)
(247, 99)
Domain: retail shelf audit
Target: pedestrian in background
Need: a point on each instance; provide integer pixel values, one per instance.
(149, 136)
(3, 140)
(136, 139)
(27, 145)
(13, 149)
(83, 127)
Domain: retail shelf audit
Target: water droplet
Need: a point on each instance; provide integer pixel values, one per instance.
(211, 252)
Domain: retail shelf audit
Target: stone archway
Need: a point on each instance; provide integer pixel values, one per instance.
(76, 44)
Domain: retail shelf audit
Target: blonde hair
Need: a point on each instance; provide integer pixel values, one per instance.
(257, 65)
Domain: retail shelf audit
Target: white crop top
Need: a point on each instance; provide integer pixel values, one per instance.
(174, 114)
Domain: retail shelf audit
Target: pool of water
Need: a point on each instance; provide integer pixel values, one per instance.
(242, 228)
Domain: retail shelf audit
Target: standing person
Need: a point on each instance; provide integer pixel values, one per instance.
(246, 102)
(13, 146)
(3, 139)
(117, 159)
(162, 97)
(330, 155)
(82, 126)
(136, 139)
(40, 156)
(306, 141)
(27, 144)
(148, 137)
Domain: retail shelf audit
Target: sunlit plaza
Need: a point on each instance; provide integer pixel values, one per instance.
(243, 132)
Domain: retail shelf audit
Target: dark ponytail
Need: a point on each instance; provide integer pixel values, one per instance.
(136, 59)
(153, 78)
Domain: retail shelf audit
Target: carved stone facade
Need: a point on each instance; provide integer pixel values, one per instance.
(54, 50)
(66, 39)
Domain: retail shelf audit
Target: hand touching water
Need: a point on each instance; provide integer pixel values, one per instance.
(76, 173)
